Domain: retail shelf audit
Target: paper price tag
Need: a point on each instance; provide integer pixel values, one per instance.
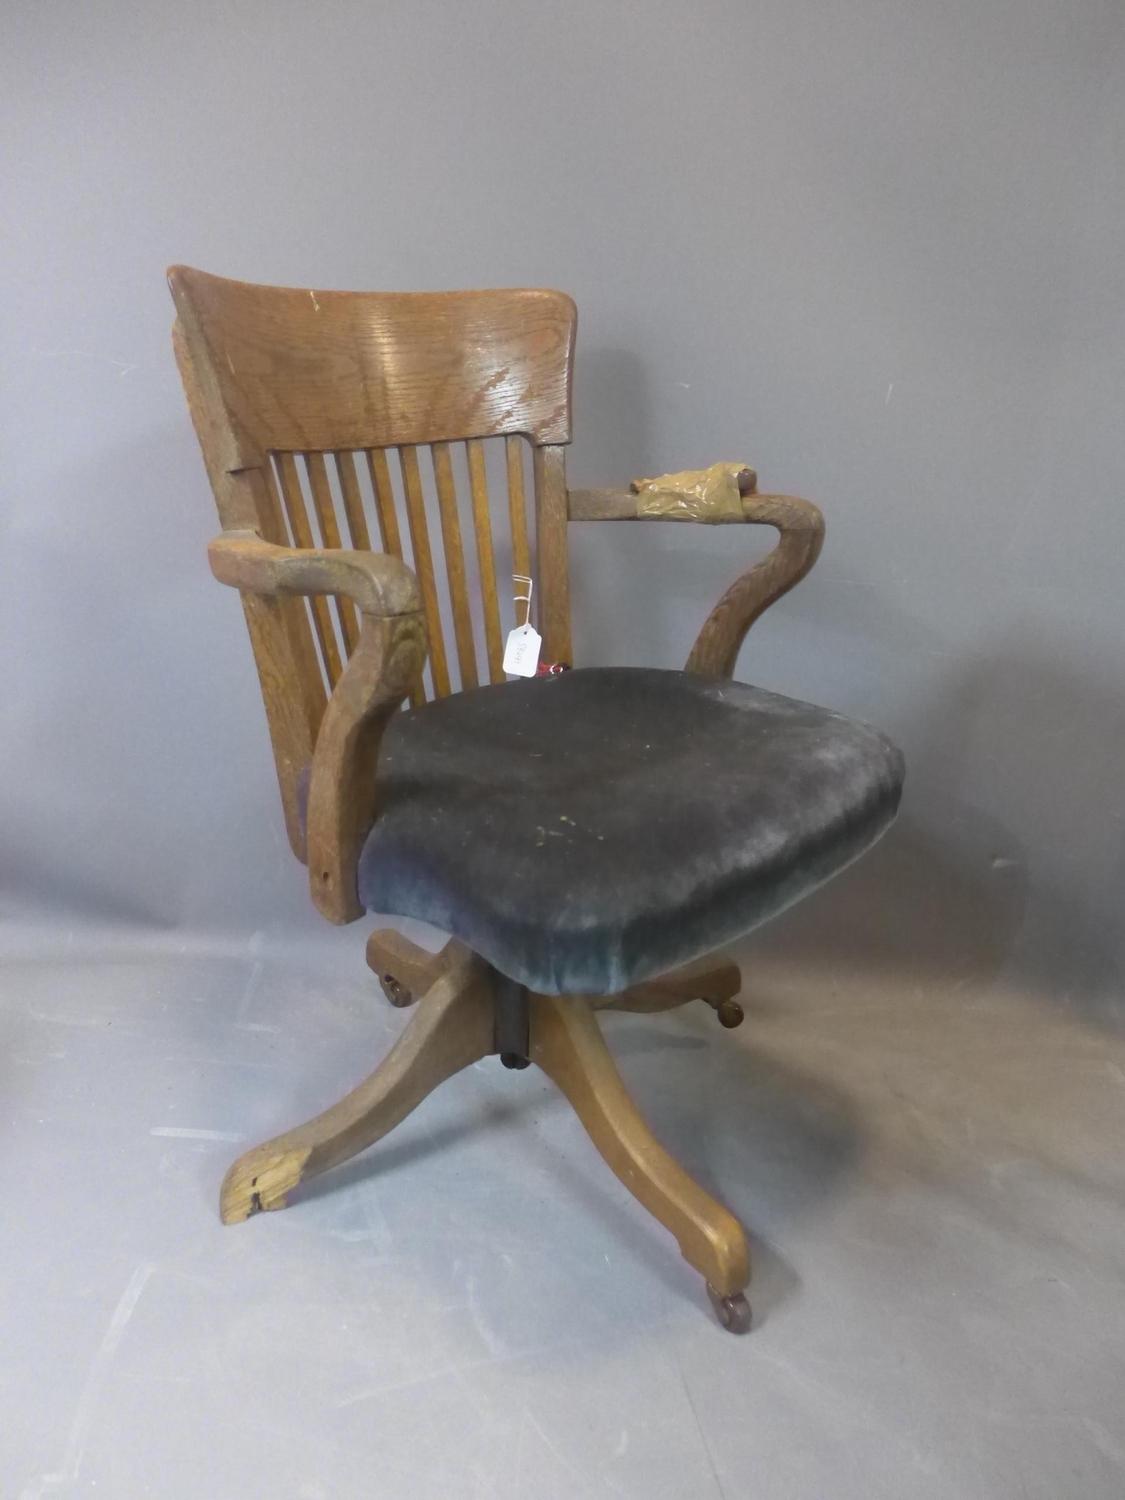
(521, 654)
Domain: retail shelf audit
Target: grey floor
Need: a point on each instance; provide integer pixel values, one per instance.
(931, 1167)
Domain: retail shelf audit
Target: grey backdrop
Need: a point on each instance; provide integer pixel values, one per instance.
(874, 248)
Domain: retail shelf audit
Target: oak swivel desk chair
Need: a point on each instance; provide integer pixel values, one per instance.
(586, 839)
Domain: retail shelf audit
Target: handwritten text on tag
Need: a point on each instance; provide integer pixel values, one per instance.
(521, 654)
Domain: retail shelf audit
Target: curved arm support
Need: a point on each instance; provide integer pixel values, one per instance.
(801, 528)
(386, 663)
(379, 584)
(802, 534)
(382, 669)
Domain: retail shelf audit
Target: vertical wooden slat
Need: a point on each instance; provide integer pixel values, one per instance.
(302, 537)
(517, 506)
(455, 563)
(384, 501)
(353, 501)
(330, 537)
(271, 523)
(294, 612)
(486, 563)
(384, 494)
(424, 565)
(550, 536)
(290, 676)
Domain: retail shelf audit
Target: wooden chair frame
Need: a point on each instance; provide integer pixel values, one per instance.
(270, 373)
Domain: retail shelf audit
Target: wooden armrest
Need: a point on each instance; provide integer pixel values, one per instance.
(379, 584)
(801, 528)
(603, 505)
(386, 663)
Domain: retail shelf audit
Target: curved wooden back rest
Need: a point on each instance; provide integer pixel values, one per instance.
(299, 398)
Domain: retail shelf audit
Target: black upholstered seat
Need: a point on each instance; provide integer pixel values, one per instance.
(588, 831)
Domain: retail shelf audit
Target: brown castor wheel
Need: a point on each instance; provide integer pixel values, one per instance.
(730, 1014)
(733, 1312)
(396, 993)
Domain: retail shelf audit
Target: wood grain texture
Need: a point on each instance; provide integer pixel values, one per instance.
(289, 372)
(384, 493)
(294, 677)
(342, 788)
(455, 564)
(377, 584)
(329, 529)
(292, 716)
(382, 489)
(413, 968)
(450, 1029)
(604, 505)
(550, 536)
(301, 532)
(566, 1042)
(305, 369)
(292, 689)
(517, 507)
(486, 560)
(801, 528)
(358, 534)
(424, 565)
(272, 527)
(387, 660)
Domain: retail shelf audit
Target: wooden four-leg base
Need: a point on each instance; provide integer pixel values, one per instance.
(453, 1027)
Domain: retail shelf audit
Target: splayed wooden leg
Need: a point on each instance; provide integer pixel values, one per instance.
(451, 1029)
(567, 1043)
(405, 970)
(716, 984)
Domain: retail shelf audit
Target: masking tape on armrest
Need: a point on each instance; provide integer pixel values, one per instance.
(713, 494)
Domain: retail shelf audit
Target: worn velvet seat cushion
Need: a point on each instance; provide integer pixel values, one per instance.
(588, 831)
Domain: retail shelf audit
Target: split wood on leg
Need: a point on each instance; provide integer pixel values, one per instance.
(451, 1030)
